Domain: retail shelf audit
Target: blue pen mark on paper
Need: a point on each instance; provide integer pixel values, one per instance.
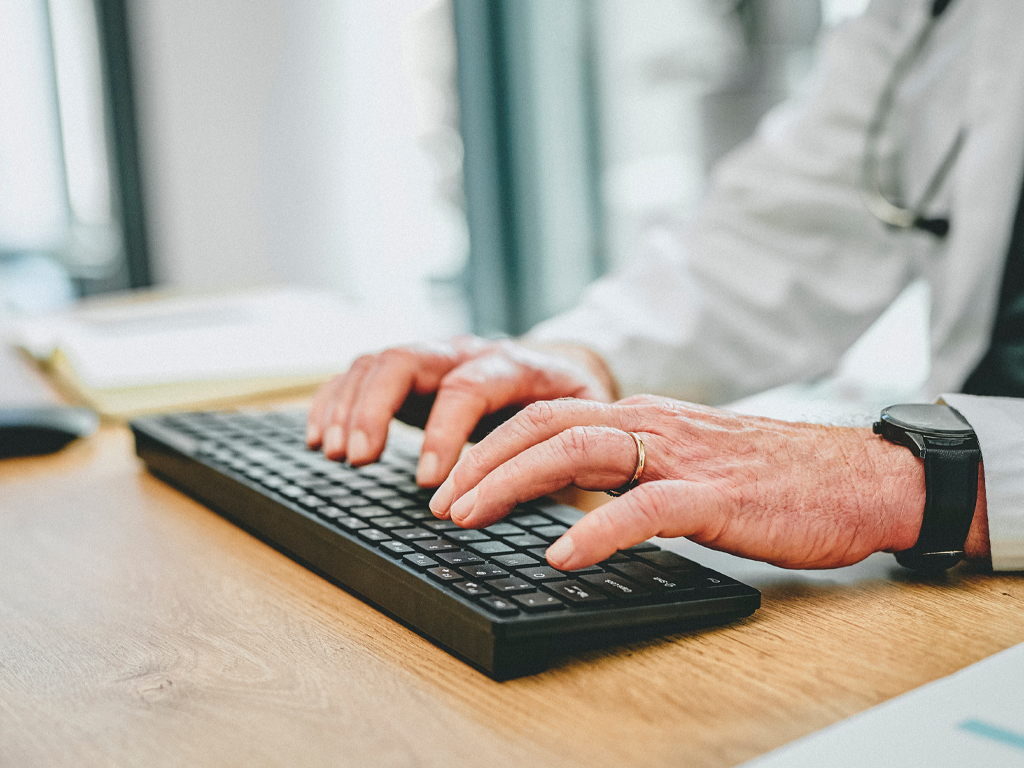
(994, 732)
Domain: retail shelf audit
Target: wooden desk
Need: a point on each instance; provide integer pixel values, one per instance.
(139, 628)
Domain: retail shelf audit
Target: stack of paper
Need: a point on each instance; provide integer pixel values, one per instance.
(149, 355)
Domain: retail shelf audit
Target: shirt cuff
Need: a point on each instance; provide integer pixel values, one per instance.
(999, 425)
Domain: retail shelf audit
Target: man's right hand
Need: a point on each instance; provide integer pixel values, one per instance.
(471, 377)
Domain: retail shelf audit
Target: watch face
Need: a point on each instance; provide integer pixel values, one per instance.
(930, 419)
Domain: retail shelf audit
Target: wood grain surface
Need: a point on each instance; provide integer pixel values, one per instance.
(139, 628)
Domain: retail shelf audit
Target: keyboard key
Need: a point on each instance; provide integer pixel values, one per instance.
(350, 523)
(560, 513)
(537, 602)
(411, 534)
(420, 560)
(711, 580)
(368, 513)
(441, 525)
(330, 512)
(490, 547)
(510, 585)
(517, 560)
(499, 605)
(577, 593)
(588, 569)
(399, 503)
(643, 546)
(405, 486)
(526, 540)
(373, 535)
(667, 561)
(467, 536)
(618, 587)
(618, 557)
(460, 557)
(396, 548)
(483, 571)
(355, 502)
(539, 552)
(549, 532)
(470, 589)
(391, 521)
(418, 514)
(444, 574)
(529, 520)
(377, 494)
(434, 545)
(541, 573)
(504, 529)
(651, 578)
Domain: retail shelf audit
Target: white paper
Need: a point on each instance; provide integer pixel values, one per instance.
(275, 333)
(974, 717)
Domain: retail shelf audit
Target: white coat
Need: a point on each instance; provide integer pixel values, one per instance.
(784, 268)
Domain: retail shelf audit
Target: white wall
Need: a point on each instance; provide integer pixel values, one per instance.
(204, 74)
(279, 142)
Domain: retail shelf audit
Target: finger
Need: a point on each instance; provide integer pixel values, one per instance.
(467, 394)
(665, 508)
(381, 392)
(533, 425)
(335, 438)
(318, 410)
(593, 458)
(320, 423)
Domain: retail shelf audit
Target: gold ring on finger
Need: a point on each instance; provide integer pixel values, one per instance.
(634, 481)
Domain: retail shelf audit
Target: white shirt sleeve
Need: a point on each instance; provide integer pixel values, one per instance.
(783, 268)
(999, 424)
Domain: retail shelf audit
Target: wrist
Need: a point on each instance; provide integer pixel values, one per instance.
(588, 358)
(903, 500)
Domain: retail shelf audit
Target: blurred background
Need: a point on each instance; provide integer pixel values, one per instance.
(483, 159)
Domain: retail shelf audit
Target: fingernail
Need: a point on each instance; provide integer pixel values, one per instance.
(358, 446)
(559, 553)
(312, 435)
(332, 440)
(463, 508)
(426, 470)
(442, 498)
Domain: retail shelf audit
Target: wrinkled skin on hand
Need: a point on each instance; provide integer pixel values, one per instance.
(796, 495)
(471, 378)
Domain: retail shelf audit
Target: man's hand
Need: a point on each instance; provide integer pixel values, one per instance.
(796, 495)
(472, 378)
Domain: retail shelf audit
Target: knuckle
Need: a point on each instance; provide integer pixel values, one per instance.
(640, 400)
(363, 361)
(463, 380)
(541, 413)
(649, 503)
(575, 442)
(396, 356)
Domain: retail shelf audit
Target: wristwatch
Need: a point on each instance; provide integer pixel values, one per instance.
(946, 443)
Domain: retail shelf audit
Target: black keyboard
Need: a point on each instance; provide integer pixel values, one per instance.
(487, 596)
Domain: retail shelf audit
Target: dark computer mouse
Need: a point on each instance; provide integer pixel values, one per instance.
(31, 431)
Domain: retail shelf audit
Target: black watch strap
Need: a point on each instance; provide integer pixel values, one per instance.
(951, 484)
